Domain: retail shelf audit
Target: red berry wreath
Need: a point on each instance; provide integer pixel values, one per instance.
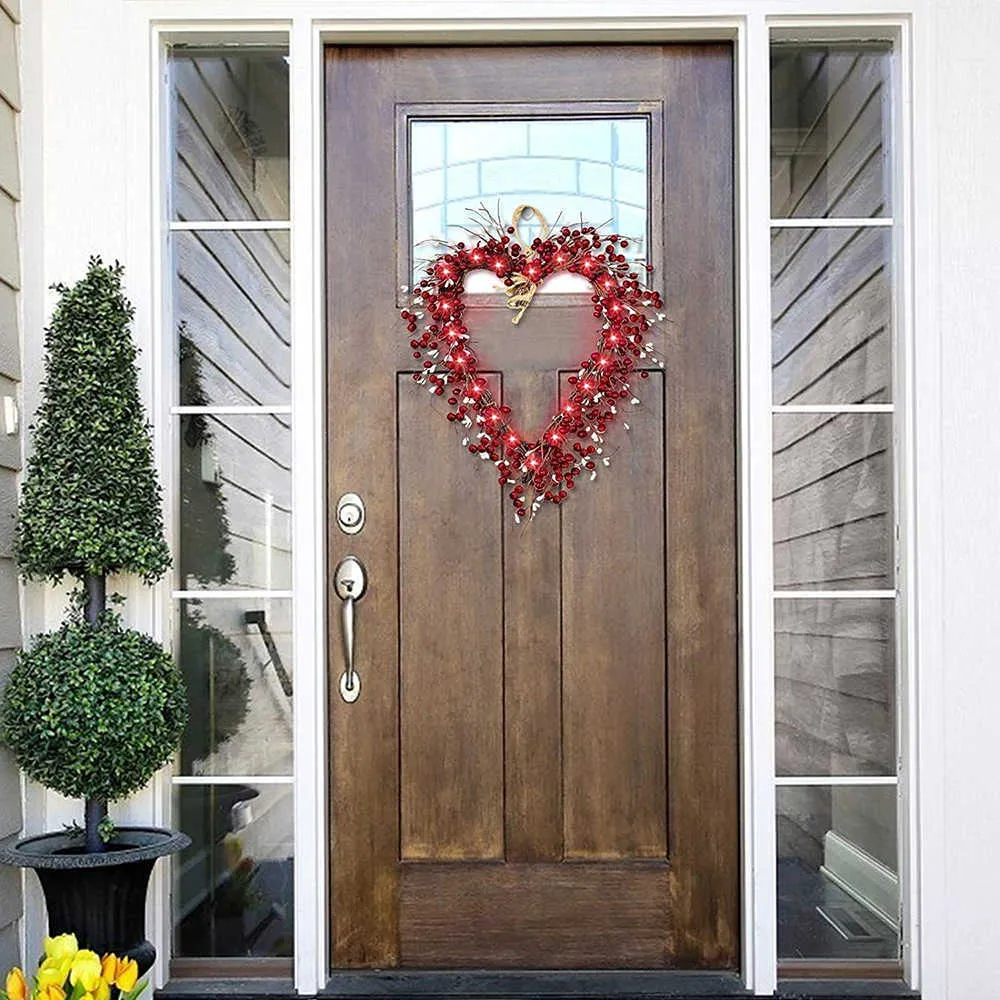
(572, 444)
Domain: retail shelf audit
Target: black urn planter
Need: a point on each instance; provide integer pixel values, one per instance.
(101, 898)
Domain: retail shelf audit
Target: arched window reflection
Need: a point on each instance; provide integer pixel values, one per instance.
(594, 169)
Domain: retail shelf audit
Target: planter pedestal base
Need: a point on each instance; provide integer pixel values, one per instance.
(101, 898)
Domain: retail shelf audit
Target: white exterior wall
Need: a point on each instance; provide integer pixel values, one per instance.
(86, 189)
(967, 126)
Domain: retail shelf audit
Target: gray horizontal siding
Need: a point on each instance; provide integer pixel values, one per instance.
(10, 173)
(10, 83)
(10, 947)
(833, 517)
(11, 902)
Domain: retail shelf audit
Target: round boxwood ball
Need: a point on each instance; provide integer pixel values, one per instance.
(92, 711)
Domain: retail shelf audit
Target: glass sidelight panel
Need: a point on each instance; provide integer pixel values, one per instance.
(229, 133)
(831, 308)
(233, 885)
(232, 317)
(236, 657)
(835, 680)
(833, 321)
(838, 882)
(833, 501)
(830, 118)
(235, 494)
(596, 169)
(229, 295)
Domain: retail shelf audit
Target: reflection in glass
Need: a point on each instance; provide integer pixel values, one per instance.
(831, 310)
(233, 885)
(231, 305)
(834, 665)
(838, 882)
(833, 506)
(595, 169)
(229, 116)
(236, 658)
(830, 115)
(235, 516)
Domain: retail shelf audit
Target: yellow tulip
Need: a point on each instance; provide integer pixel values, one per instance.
(109, 966)
(86, 969)
(50, 992)
(53, 972)
(126, 974)
(62, 946)
(103, 992)
(120, 972)
(17, 988)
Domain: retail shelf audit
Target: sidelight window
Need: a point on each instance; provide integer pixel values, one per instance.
(835, 507)
(230, 305)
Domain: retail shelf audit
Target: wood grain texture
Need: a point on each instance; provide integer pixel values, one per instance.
(533, 653)
(361, 380)
(614, 647)
(451, 641)
(701, 510)
(579, 732)
(561, 916)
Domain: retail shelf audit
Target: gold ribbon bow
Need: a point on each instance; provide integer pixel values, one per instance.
(522, 289)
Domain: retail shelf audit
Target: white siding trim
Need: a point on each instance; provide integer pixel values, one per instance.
(760, 920)
(309, 510)
(833, 781)
(832, 222)
(253, 225)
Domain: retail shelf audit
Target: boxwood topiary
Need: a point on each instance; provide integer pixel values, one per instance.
(93, 710)
(90, 503)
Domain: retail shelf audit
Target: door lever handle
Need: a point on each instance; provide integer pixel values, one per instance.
(349, 583)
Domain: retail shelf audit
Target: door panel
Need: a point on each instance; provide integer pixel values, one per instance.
(541, 769)
(451, 642)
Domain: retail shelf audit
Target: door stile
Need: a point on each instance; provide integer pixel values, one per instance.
(364, 811)
(701, 582)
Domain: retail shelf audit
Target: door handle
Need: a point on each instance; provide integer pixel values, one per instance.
(349, 583)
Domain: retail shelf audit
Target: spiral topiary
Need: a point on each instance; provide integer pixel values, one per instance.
(93, 711)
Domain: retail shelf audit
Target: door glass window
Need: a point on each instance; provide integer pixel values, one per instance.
(595, 169)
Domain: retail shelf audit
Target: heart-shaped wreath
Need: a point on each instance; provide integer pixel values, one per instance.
(543, 470)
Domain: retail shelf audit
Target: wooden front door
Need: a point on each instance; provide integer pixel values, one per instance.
(541, 768)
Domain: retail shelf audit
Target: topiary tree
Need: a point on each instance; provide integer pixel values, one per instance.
(91, 506)
(93, 710)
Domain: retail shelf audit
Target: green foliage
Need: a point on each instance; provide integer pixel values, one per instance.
(92, 711)
(218, 685)
(91, 502)
(205, 553)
